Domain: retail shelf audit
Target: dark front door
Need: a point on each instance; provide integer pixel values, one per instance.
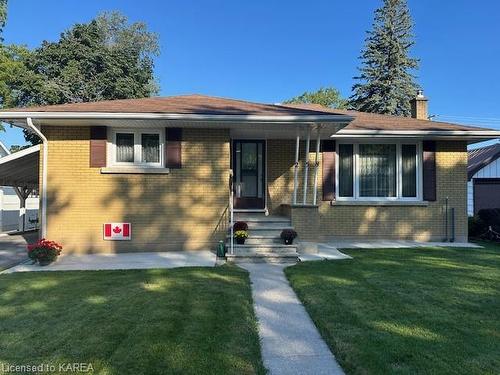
(249, 174)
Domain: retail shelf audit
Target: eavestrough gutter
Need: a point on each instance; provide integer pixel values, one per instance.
(12, 116)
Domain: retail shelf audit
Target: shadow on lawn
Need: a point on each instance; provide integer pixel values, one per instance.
(188, 320)
(406, 310)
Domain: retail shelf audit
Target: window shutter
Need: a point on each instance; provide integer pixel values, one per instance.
(429, 170)
(173, 148)
(328, 170)
(98, 138)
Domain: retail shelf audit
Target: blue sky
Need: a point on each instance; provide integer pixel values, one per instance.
(270, 50)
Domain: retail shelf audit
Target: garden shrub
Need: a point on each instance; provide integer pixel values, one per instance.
(490, 217)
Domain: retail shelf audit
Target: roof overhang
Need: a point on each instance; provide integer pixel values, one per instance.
(20, 168)
(270, 126)
(465, 135)
(19, 117)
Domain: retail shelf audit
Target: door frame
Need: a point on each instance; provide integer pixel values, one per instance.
(264, 172)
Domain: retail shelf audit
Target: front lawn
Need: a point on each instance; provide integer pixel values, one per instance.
(184, 321)
(407, 311)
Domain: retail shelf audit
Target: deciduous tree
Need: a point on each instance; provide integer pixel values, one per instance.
(325, 96)
(107, 58)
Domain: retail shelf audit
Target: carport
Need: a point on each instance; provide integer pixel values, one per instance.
(21, 171)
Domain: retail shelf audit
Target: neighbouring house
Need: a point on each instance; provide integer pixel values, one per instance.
(483, 175)
(18, 207)
(158, 174)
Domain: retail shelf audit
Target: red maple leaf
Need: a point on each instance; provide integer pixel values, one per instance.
(117, 229)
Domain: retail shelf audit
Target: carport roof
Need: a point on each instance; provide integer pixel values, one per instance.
(20, 168)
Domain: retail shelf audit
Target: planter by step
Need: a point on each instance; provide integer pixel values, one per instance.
(240, 241)
(44, 262)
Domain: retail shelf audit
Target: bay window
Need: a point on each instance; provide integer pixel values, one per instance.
(378, 171)
(137, 147)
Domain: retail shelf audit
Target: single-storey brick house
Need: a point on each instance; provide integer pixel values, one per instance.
(169, 166)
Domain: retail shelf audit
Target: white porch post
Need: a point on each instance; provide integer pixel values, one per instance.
(22, 214)
(306, 164)
(23, 194)
(296, 169)
(316, 166)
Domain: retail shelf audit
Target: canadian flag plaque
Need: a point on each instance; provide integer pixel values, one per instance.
(117, 231)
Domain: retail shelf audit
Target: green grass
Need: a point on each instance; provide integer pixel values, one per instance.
(407, 311)
(185, 320)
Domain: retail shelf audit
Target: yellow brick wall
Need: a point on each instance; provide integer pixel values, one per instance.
(183, 210)
(178, 211)
(391, 222)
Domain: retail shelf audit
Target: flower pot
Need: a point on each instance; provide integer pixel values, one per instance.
(240, 241)
(288, 241)
(44, 262)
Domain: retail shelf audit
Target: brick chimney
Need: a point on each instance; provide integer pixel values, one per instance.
(419, 106)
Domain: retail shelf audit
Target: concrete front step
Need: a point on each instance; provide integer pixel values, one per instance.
(264, 233)
(267, 248)
(260, 218)
(260, 240)
(262, 258)
(263, 243)
(268, 225)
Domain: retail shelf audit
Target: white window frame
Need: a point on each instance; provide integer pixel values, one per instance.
(399, 171)
(137, 148)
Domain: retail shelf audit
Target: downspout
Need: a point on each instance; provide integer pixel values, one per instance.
(30, 124)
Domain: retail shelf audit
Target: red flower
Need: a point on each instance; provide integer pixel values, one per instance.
(44, 249)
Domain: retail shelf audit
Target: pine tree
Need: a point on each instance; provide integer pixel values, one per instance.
(386, 81)
(3, 16)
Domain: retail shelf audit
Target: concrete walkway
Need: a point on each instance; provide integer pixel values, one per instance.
(396, 244)
(290, 342)
(122, 261)
(324, 252)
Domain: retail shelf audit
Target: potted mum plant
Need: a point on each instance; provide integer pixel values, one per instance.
(240, 236)
(44, 251)
(240, 225)
(288, 235)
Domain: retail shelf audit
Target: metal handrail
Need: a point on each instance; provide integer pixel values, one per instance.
(231, 210)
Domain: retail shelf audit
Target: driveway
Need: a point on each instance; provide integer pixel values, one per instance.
(13, 248)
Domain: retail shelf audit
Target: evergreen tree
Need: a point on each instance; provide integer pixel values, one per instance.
(386, 81)
(3, 17)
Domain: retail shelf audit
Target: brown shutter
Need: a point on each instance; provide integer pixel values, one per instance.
(429, 172)
(98, 146)
(173, 148)
(328, 170)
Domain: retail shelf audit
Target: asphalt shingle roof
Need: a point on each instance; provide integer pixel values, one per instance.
(210, 105)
